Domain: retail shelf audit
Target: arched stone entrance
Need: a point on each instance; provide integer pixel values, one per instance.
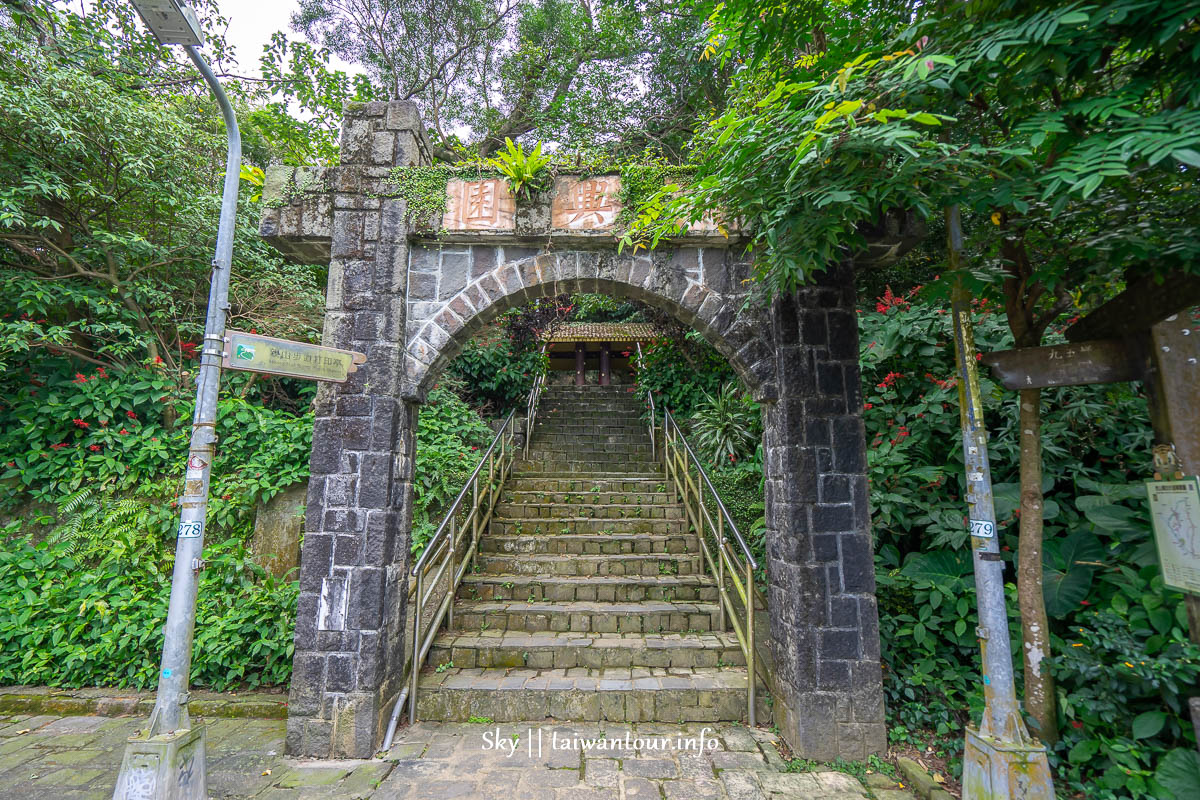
(411, 298)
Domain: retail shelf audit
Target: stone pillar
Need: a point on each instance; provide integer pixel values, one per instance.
(353, 567)
(820, 568)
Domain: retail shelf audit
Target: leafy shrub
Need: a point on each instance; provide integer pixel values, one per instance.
(726, 426)
(496, 374)
(450, 439)
(70, 623)
(680, 374)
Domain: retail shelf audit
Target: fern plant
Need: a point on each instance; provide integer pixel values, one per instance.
(726, 426)
(93, 524)
(519, 167)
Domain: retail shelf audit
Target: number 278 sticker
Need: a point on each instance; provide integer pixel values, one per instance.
(983, 528)
(190, 530)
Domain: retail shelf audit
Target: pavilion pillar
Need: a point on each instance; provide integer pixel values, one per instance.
(605, 356)
(580, 363)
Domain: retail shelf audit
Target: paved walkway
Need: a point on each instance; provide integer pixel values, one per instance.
(77, 758)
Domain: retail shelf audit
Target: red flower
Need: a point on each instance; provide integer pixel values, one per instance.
(100, 371)
(80, 378)
(95, 448)
(158, 360)
(1084, 603)
(131, 415)
(59, 446)
(80, 423)
(1076, 723)
(889, 380)
(889, 301)
(123, 432)
(226, 496)
(11, 464)
(103, 423)
(868, 406)
(188, 349)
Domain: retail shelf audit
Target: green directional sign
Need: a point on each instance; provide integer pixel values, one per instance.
(253, 353)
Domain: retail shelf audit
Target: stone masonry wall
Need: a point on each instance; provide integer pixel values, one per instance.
(349, 629)
(820, 569)
(409, 298)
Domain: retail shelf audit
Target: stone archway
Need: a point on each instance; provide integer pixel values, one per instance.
(410, 297)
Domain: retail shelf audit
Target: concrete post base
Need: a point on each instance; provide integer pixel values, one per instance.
(994, 769)
(165, 767)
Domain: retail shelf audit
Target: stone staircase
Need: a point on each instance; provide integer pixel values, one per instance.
(588, 600)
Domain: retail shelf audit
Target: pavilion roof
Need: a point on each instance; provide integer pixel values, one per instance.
(602, 332)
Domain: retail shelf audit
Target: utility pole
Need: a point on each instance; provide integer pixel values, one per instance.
(1001, 759)
(166, 758)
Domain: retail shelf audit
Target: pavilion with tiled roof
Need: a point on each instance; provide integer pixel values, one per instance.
(605, 348)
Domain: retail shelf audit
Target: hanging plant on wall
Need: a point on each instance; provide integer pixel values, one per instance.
(522, 169)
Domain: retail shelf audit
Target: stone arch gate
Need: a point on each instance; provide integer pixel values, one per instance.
(409, 296)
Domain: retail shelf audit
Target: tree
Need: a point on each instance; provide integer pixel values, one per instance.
(1052, 121)
(109, 206)
(578, 72)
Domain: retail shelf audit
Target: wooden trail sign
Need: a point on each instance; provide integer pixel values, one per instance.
(253, 353)
(1075, 364)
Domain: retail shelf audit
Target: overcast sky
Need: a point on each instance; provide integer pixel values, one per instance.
(251, 25)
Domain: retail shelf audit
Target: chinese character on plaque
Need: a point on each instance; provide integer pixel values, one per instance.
(478, 205)
(588, 204)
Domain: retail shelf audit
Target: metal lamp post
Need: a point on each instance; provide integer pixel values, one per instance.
(166, 758)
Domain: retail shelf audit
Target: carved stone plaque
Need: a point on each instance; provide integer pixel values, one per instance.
(478, 205)
(585, 205)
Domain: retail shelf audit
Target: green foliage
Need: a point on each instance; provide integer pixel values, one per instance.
(727, 425)
(496, 374)
(450, 439)
(100, 623)
(1126, 687)
(1027, 110)
(522, 169)
(680, 373)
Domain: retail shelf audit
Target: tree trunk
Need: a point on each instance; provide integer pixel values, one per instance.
(1039, 683)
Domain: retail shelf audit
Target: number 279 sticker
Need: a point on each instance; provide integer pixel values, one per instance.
(191, 530)
(983, 528)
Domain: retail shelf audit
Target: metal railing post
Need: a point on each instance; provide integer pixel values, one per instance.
(750, 643)
(415, 663)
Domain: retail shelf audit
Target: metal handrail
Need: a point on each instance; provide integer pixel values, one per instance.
(653, 414)
(531, 407)
(729, 566)
(438, 558)
(708, 482)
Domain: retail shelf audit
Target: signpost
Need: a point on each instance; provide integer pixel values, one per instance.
(253, 353)
(1000, 759)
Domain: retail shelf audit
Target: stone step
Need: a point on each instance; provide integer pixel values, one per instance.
(589, 498)
(581, 695)
(516, 526)
(588, 588)
(648, 616)
(586, 483)
(617, 454)
(504, 649)
(552, 542)
(586, 469)
(551, 436)
(549, 565)
(593, 510)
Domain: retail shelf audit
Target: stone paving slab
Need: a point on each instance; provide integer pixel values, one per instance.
(77, 758)
(651, 761)
(107, 702)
